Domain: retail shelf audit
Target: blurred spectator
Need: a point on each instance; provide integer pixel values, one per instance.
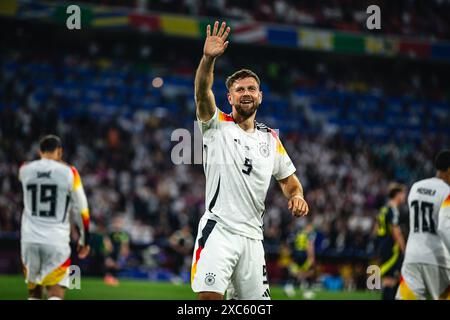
(181, 246)
(117, 259)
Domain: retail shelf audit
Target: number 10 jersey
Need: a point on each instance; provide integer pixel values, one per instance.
(424, 243)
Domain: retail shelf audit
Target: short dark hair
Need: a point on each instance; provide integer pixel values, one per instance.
(442, 160)
(395, 188)
(241, 74)
(50, 143)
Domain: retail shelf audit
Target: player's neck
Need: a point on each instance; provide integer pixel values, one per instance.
(393, 203)
(49, 156)
(443, 176)
(246, 124)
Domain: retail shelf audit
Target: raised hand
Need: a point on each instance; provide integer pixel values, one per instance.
(215, 43)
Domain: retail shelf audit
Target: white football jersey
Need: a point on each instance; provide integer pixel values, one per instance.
(424, 244)
(238, 167)
(50, 188)
(444, 222)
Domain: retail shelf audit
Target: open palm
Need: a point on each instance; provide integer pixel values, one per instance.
(215, 43)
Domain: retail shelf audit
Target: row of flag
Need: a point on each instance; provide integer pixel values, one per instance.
(244, 32)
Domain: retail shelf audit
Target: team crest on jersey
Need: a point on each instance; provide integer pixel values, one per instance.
(210, 279)
(264, 149)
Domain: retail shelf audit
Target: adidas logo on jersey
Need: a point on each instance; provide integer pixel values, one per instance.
(262, 127)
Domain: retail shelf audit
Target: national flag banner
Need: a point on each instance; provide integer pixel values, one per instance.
(250, 32)
(110, 19)
(8, 7)
(101, 16)
(282, 36)
(348, 43)
(440, 51)
(180, 26)
(145, 22)
(35, 10)
(315, 39)
(374, 45)
(391, 46)
(415, 49)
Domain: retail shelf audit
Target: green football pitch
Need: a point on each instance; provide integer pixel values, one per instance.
(13, 287)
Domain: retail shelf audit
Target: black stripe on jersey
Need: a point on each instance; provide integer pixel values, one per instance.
(206, 232)
(205, 156)
(262, 127)
(214, 199)
(66, 207)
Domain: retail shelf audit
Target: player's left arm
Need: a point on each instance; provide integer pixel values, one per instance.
(444, 222)
(82, 219)
(311, 252)
(396, 232)
(293, 191)
(398, 237)
(284, 172)
(20, 174)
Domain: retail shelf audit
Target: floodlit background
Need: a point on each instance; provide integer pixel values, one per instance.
(356, 109)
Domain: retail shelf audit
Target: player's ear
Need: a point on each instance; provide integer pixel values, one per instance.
(260, 96)
(229, 98)
(448, 173)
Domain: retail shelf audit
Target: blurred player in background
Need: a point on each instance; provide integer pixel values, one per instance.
(117, 258)
(50, 188)
(390, 241)
(303, 258)
(101, 249)
(181, 244)
(239, 156)
(426, 268)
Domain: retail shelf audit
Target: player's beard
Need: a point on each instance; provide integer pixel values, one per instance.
(247, 110)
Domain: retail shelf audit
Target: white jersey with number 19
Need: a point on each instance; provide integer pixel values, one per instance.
(424, 243)
(50, 188)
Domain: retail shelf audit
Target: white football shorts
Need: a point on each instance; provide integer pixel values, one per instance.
(420, 279)
(45, 265)
(224, 262)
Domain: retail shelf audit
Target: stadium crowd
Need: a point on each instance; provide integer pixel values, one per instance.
(410, 18)
(116, 118)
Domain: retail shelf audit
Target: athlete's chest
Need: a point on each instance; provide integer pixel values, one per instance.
(253, 151)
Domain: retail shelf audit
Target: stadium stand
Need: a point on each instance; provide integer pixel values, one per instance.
(349, 129)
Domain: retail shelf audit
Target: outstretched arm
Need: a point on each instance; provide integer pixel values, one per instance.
(444, 222)
(293, 190)
(215, 45)
(82, 218)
